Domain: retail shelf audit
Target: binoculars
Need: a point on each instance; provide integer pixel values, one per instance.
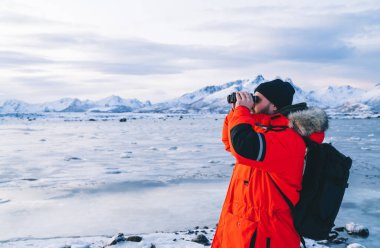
(232, 98)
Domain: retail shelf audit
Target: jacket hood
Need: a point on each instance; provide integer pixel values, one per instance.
(308, 121)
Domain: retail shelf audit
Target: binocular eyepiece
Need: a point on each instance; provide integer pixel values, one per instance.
(232, 98)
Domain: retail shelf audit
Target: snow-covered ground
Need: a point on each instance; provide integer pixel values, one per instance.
(78, 179)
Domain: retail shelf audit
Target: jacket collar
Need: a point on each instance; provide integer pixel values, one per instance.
(275, 122)
(278, 120)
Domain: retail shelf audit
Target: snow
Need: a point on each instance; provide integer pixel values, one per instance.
(65, 180)
(157, 239)
(118, 101)
(58, 106)
(339, 101)
(334, 96)
(13, 105)
(355, 245)
(114, 104)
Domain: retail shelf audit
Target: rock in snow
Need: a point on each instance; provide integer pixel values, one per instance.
(201, 239)
(116, 239)
(356, 229)
(134, 238)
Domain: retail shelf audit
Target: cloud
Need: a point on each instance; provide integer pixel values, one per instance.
(15, 59)
(14, 18)
(44, 82)
(201, 42)
(323, 38)
(134, 56)
(142, 57)
(264, 34)
(130, 68)
(314, 45)
(51, 87)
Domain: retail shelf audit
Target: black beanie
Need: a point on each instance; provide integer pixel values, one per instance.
(278, 92)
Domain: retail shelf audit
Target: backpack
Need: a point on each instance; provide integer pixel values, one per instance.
(324, 182)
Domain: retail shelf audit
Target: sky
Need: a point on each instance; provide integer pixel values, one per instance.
(160, 49)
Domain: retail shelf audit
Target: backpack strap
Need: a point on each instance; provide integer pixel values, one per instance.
(271, 128)
(290, 204)
(308, 141)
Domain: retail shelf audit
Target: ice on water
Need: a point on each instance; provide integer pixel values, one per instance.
(64, 175)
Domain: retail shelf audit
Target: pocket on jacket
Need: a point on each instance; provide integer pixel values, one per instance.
(237, 231)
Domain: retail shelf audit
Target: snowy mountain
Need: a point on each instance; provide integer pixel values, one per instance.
(372, 97)
(16, 106)
(210, 99)
(116, 104)
(66, 105)
(112, 104)
(338, 101)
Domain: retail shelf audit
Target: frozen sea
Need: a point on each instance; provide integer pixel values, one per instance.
(90, 174)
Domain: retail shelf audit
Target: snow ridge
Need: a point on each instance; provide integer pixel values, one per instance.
(339, 101)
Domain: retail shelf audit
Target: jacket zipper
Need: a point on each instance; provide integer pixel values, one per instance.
(253, 239)
(268, 243)
(246, 182)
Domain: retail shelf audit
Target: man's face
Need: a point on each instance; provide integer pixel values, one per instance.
(264, 106)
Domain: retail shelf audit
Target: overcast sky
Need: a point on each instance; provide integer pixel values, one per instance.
(160, 49)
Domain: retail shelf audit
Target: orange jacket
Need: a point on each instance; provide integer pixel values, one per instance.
(254, 213)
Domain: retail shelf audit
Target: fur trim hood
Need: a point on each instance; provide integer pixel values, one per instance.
(308, 121)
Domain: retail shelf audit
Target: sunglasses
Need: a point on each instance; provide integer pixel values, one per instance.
(256, 99)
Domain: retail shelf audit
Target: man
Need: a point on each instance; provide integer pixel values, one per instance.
(255, 213)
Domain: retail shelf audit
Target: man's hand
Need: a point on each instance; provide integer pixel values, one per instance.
(244, 99)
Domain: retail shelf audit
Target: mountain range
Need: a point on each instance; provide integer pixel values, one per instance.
(337, 101)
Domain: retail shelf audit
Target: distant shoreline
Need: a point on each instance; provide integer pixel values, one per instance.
(115, 116)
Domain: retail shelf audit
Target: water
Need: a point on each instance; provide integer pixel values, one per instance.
(360, 139)
(64, 175)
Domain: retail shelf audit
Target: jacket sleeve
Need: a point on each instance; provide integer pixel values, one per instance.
(265, 151)
(225, 136)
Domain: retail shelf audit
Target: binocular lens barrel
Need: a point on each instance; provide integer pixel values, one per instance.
(232, 98)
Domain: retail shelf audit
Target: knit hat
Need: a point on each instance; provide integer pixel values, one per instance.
(278, 92)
